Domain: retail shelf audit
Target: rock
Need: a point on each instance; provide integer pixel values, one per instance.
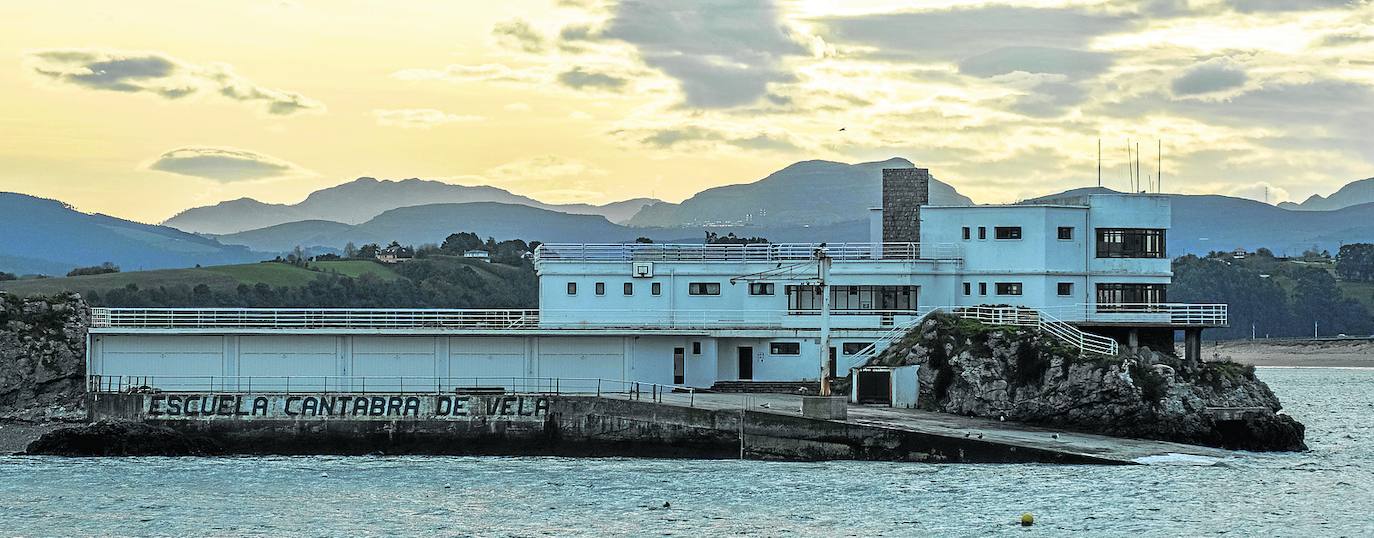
(121, 438)
(42, 356)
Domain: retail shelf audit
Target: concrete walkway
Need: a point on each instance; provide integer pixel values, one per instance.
(942, 424)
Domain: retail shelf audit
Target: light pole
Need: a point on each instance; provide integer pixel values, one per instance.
(823, 260)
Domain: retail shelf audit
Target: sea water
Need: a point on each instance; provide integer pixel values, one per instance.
(1327, 491)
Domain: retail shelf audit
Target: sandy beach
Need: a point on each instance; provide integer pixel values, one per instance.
(1326, 353)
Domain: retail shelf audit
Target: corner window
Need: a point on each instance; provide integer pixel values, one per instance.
(629, 288)
(1007, 232)
(982, 232)
(703, 288)
(785, 348)
(600, 288)
(982, 288)
(572, 288)
(656, 288)
(1130, 243)
(967, 233)
(1066, 232)
(761, 288)
(1009, 288)
(968, 288)
(1066, 288)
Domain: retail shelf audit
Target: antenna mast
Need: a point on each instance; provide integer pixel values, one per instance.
(1159, 165)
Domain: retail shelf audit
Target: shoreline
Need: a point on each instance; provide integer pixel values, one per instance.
(1293, 353)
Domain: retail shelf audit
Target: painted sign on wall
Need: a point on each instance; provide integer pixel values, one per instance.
(345, 406)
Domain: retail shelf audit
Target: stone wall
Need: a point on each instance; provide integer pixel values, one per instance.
(42, 356)
(905, 190)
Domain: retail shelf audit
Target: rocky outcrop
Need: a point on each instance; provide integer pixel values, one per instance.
(120, 438)
(42, 356)
(1023, 375)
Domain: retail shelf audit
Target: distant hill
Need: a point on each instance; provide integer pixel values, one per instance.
(218, 278)
(44, 236)
(359, 200)
(1353, 193)
(808, 192)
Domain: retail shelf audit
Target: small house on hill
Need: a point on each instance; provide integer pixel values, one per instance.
(478, 255)
(395, 254)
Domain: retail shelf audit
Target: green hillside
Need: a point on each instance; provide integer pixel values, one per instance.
(218, 278)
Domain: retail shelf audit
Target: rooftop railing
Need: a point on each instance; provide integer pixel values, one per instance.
(759, 252)
(312, 318)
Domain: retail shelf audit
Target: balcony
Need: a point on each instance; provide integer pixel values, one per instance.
(1148, 314)
(762, 252)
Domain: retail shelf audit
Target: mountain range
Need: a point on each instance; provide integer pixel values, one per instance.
(1352, 194)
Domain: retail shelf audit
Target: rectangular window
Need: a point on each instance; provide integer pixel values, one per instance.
(968, 288)
(982, 288)
(1130, 243)
(1007, 232)
(852, 299)
(785, 348)
(1066, 288)
(1066, 232)
(966, 233)
(703, 288)
(629, 288)
(761, 288)
(656, 288)
(600, 288)
(1113, 297)
(851, 348)
(1009, 288)
(696, 348)
(572, 288)
(982, 232)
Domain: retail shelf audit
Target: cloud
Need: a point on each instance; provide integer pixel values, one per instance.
(419, 118)
(542, 169)
(691, 135)
(465, 73)
(1075, 63)
(723, 54)
(1261, 6)
(221, 164)
(582, 79)
(161, 75)
(1215, 75)
(520, 35)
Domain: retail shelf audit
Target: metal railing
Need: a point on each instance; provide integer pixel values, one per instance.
(759, 252)
(1178, 314)
(572, 386)
(883, 342)
(1028, 317)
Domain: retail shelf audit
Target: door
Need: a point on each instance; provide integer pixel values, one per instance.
(679, 365)
(746, 363)
(833, 356)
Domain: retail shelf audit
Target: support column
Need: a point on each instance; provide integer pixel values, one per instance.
(1192, 344)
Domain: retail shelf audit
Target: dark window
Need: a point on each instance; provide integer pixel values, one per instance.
(1066, 288)
(1066, 232)
(1009, 288)
(982, 232)
(656, 288)
(703, 288)
(851, 348)
(600, 288)
(696, 348)
(629, 288)
(982, 288)
(572, 288)
(785, 348)
(1007, 232)
(966, 233)
(1129, 297)
(853, 298)
(761, 288)
(1130, 243)
(968, 288)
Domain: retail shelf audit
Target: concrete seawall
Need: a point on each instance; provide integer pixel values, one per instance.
(539, 425)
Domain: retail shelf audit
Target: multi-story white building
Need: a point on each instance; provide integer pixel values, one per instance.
(698, 314)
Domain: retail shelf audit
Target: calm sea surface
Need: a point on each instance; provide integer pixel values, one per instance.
(1328, 491)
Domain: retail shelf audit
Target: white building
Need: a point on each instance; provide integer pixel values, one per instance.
(698, 314)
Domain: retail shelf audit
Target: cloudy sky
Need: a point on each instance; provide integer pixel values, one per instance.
(141, 109)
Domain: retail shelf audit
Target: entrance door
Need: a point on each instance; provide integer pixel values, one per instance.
(746, 363)
(679, 365)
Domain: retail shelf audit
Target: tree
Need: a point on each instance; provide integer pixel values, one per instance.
(713, 238)
(369, 251)
(7, 276)
(104, 268)
(461, 242)
(350, 250)
(1355, 262)
(642, 239)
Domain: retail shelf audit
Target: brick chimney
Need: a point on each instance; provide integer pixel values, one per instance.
(905, 190)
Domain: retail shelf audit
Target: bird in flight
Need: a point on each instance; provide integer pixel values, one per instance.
(841, 128)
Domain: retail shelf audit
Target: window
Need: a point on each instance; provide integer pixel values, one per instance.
(851, 348)
(600, 288)
(1066, 232)
(761, 288)
(968, 288)
(852, 298)
(1129, 297)
(572, 288)
(982, 232)
(629, 288)
(785, 348)
(696, 348)
(1130, 243)
(656, 288)
(1007, 232)
(1066, 288)
(982, 288)
(966, 233)
(1009, 288)
(703, 288)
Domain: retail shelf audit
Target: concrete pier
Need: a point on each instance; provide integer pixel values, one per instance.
(754, 426)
